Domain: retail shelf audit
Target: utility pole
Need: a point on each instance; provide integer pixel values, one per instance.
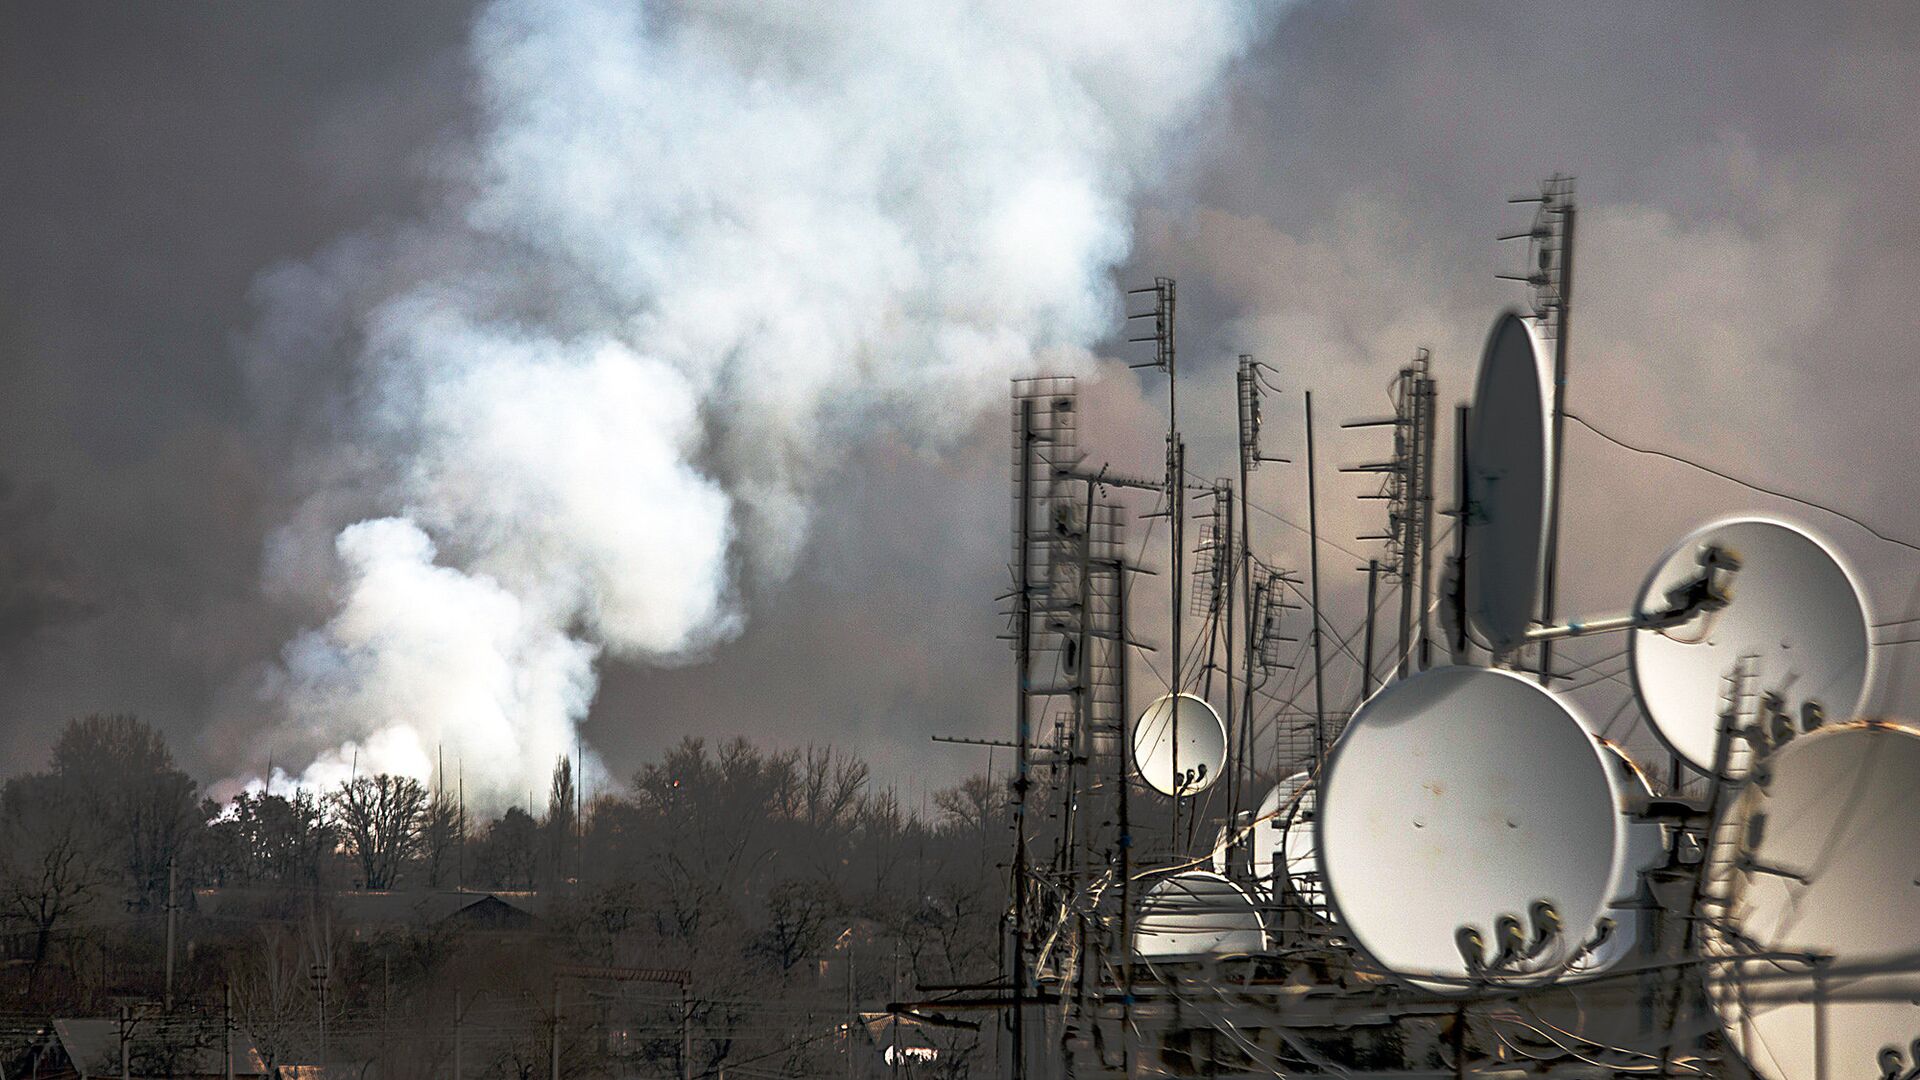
(172, 909)
(686, 1031)
(317, 976)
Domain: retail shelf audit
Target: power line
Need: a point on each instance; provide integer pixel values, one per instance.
(1761, 488)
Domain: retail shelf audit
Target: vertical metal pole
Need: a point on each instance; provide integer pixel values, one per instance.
(1126, 828)
(1023, 723)
(1427, 424)
(171, 908)
(1223, 594)
(555, 1036)
(853, 1017)
(1406, 445)
(1462, 506)
(1176, 515)
(686, 1032)
(1246, 589)
(1549, 585)
(459, 1021)
(1366, 648)
(126, 1032)
(1313, 564)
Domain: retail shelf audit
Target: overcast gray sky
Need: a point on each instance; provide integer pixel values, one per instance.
(1748, 294)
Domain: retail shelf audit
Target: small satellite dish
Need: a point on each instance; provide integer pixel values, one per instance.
(1197, 914)
(1795, 618)
(1643, 848)
(1202, 746)
(1270, 828)
(1508, 473)
(1828, 869)
(1468, 830)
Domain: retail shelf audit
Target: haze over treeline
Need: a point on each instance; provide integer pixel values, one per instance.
(785, 881)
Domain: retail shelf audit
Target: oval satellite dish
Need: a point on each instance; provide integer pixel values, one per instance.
(1197, 914)
(1643, 848)
(1270, 829)
(1466, 812)
(1508, 473)
(1201, 750)
(1828, 868)
(1795, 619)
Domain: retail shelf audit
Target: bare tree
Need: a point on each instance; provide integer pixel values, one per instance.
(381, 817)
(52, 866)
(440, 839)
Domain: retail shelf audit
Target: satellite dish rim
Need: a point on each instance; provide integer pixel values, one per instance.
(1721, 990)
(1504, 638)
(1635, 637)
(1134, 747)
(1252, 907)
(1447, 983)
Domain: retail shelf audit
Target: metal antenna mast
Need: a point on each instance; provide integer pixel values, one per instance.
(1164, 359)
(1549, 281)
(1047, 573)
(1248, 393)
(1407, 488)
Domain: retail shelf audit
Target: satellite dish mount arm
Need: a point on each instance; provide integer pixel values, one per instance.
(1707, 591)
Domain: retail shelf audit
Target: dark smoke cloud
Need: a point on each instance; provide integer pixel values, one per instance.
(1750, 264)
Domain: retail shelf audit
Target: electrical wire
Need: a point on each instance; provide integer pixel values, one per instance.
(1748, 484)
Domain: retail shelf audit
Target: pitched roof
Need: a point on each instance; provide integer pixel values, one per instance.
(93, 1046)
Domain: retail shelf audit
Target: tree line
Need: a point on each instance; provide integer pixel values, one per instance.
(797, 892)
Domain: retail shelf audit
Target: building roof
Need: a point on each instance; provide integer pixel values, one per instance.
(156, 1047)
(422, 907)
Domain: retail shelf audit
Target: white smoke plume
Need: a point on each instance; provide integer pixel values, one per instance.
(686, 254)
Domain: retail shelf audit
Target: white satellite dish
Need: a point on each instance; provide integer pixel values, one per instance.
(1466, 798)
(1201, 750)
(1795, 616)
(1828, 868)
(1270, 828)
(1197, 914)
(1302, 859)
(1643, 848)
(1509, 470)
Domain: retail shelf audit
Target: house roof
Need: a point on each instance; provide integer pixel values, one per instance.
(421, 907)
(93, 1046)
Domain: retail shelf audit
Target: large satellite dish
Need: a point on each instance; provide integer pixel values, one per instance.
(1197, 914)
(1179, 731)
(1829, 868)
(1795, 621)
(1644, 848)
(1508, 472)
(1467, 798)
